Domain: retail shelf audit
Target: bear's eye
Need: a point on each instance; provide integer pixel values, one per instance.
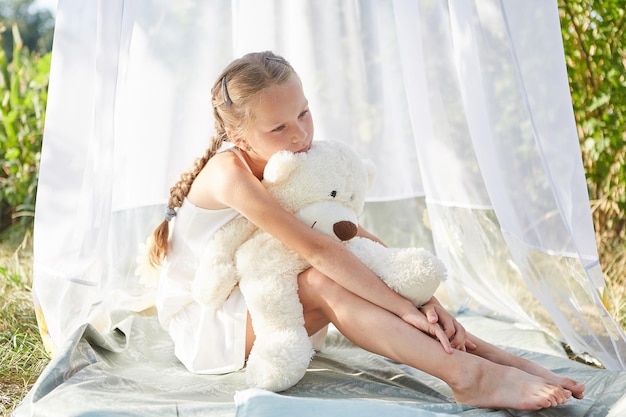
(333, 194)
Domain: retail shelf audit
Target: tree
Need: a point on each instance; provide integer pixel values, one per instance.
(36, 26)
(593, 36)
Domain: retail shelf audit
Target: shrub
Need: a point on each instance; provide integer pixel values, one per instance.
(595, 49)
(23, 95)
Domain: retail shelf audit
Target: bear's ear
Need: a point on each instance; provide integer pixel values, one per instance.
(280, 166)
(370, 168)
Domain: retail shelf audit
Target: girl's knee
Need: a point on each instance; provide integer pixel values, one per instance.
(317, 283)
(314, 286)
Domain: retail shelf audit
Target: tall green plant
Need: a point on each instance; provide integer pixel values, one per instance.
(595, 46)
(23, 95)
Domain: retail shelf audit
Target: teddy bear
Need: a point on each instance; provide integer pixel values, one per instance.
(324, 187)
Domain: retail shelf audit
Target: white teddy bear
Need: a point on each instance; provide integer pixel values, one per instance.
(324, 187)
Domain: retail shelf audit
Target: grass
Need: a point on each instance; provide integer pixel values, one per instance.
(613, 261)
(22, 355)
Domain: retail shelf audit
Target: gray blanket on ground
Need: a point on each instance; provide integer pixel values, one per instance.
(132, 371)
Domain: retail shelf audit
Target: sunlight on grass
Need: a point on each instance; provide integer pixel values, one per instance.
(22, 356)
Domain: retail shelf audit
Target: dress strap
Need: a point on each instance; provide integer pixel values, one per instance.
(240, 156)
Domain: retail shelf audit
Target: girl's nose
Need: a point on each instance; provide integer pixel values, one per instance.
(299, 133)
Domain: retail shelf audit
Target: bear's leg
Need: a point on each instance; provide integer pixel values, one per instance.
(282, 350)
(279, 358)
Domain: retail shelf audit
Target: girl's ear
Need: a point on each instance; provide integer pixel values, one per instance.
(237, 139)
(230, 134)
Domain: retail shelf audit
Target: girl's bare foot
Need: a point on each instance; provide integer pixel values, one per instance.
(574, 387)
(490, 385)
(504, 358)
(577, 389)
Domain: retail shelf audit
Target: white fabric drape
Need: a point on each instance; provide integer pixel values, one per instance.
(463, 105)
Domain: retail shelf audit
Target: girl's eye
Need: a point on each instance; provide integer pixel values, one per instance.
(304, 113)
(278, 129)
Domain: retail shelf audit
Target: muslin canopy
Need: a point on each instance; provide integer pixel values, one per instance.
(464, 107)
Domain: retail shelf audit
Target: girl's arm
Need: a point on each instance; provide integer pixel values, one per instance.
(232, 185)
(364, 233)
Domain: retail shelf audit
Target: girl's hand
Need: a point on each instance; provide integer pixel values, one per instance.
(454, 331)
(419, 320)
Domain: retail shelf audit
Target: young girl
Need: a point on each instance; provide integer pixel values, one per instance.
(260, 108)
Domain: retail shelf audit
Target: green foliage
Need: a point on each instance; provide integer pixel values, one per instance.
(595, 48)
(23, 95)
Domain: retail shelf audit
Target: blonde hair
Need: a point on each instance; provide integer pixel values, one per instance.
(233, 97)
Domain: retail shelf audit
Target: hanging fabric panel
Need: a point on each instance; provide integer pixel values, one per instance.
(463, 106)
(502, 168)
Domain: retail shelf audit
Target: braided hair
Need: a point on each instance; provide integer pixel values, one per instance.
(233, 97)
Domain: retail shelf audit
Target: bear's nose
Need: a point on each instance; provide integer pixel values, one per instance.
(345, 230)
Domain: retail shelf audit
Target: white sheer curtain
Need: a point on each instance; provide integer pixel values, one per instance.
(463, 106)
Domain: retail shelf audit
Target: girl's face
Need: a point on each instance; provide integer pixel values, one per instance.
(282, 121)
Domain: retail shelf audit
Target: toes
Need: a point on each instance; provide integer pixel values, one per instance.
(546, 403)
(564, 395)
(580, 389)
(574, 387)
(555, 395)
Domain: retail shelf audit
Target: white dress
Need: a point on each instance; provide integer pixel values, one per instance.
(206, 340)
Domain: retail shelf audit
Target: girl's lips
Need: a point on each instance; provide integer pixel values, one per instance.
(305, 149)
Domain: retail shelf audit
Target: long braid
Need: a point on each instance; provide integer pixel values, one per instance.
(178, 192)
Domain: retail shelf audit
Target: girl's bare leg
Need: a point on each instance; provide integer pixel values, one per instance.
(474, 380)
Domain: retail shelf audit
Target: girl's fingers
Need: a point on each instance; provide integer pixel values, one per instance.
(432, 316)
(443, 339)
(432, 329)
(430, 312)
(470, 345)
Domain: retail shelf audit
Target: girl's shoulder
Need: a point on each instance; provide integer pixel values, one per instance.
(225, 163)
(219, 171)
(220, 176)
